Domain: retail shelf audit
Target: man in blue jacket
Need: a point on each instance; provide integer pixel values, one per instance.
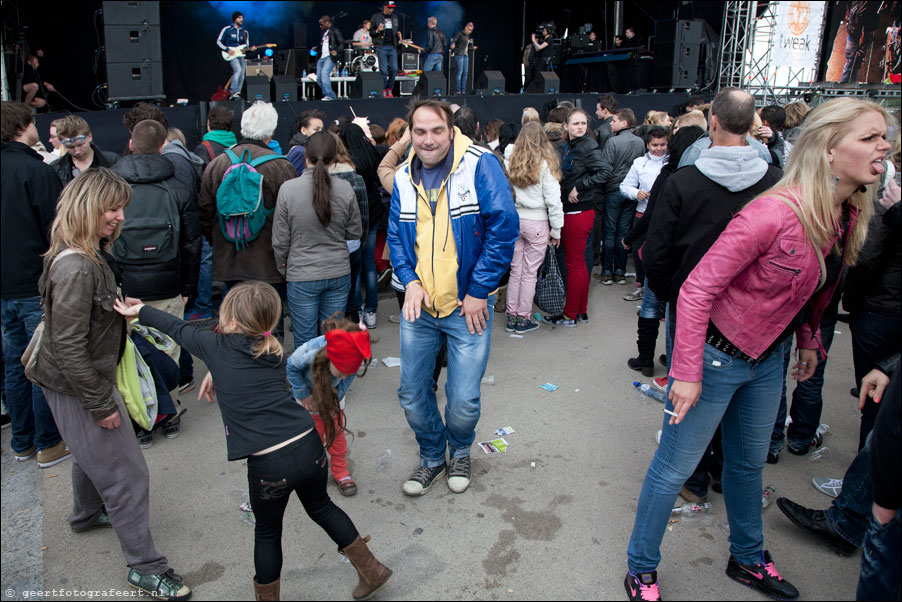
(451, 236)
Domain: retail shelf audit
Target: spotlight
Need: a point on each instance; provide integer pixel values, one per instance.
(268, 52)
(313, 52)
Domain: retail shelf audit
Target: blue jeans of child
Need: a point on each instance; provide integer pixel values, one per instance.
(323, 70)
(463, 66)
(618, 217)
(388, 65)
(468, 355)
(30, 417)
(743, 399)
(312, 302)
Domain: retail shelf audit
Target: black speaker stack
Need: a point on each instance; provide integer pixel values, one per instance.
(489, 83)
(134, 56)
(367, 85)
(677, 44)
(431, 83)
(546, 82)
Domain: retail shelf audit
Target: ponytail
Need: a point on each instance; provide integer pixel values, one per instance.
(321, 150)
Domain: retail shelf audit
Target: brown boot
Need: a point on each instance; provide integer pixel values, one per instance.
(373, 574)
(270, 591)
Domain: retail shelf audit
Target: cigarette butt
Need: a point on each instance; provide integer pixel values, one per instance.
(43, 548)
(53, 476)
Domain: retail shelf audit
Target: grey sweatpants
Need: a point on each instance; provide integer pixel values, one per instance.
(108, 468)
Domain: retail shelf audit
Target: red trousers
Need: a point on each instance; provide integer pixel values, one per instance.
(338, 451)
(574, 234)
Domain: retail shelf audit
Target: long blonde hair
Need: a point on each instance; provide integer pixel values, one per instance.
(531, 149)
(254, 308)
(809, 181)
(80, 210)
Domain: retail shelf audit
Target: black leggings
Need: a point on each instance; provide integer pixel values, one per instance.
(299, 467)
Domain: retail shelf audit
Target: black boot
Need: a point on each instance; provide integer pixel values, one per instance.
(647, 337)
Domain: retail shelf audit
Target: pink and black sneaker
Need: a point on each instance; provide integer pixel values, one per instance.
(643, 586)
(762, 576)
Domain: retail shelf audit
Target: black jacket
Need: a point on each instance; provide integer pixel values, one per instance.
(885, 456)
(640, 227)
(777, 147)
(435, 42)
(63, 165)
(581, 165)
(379, 36)
(335, 41)
(603, 133)
(874, 283)
(690, 214)
(178, 277)
(30, 190)
(617, 157)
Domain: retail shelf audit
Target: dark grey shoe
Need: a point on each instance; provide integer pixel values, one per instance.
(420, 482)
(815, 522)
(459, 474)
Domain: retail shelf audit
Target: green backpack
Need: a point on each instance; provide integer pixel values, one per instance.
(239, 199)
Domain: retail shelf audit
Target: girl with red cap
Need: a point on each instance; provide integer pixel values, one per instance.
(264, 425)
(320, 372)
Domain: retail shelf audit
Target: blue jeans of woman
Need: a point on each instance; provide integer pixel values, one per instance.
(463, 65)
(433, 62)
(312, 302)
(743, 399)
(651, 307)
(323, 70)
(388, 65)
(299, 467)
(369, 277)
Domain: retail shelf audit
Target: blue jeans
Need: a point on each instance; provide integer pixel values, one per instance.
(651, 307)
(239, 68)
(468, 355)
(743, 399)
(618, 217)
(849, 512)
(323, 70)
(368, 274)
(388, 65)
(881, 557)
(312, 302)
(30, 417)
(433, 62)
(203, 301)
(463, 66)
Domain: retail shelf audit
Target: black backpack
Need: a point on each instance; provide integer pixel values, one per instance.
(152, 227)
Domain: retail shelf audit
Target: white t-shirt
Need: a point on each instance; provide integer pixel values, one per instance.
(326, 43)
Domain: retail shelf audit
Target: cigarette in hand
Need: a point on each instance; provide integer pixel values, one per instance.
(674, 414)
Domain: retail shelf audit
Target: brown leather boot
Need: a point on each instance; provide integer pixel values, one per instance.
(270, 591)
(373, 574)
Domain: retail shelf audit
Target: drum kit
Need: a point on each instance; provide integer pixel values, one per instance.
(355, 60)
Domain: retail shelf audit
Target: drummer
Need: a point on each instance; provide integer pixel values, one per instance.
(362, 37)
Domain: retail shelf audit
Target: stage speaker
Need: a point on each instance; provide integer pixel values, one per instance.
(431, 83)
(546, 82)
(493, 81)
(135, 81)
(131, 13)
(130, 43)
(677, 44)
(286, 88)
(258, 88)
(367, 85)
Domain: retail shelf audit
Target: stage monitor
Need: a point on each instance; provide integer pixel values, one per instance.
(286, 88)
(367, 85)
(490, 81)
(258, 88)
(546, 82)
(431, 83)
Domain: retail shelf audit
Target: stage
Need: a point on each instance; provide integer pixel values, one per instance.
(110, 135)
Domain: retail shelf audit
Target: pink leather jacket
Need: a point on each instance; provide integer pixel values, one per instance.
(751, 283)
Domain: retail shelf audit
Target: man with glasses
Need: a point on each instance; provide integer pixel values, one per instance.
(74, 135)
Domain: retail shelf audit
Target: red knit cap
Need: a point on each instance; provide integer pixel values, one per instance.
(347, 350)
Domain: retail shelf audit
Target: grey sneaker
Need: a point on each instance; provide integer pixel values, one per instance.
(827, 486)
(102, 522)
(369, 318)
(607, 279)
(420, 482)
(619, 278)
(636, 295)
(165, 586)
(145, 438)
(459, 474)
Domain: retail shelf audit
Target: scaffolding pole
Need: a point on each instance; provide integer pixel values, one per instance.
(738, 29)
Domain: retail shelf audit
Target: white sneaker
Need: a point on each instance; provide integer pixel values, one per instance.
(369, 318)
(827, 486)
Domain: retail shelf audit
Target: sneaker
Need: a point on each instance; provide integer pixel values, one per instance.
(560, 321)
(772, 457)
(145, 438)
(643, 586)
(582, 318)
(173, 428)
(607, 279)
(636, 295)
(165, 586)
(369, 318)
(813, 444)
(420, 482)
(660, 383)
(459, 474)
(762, 576)
(511, 323)
(830, 487)
(692, 498)
(52, 456)
(384, 276)
(235, 97)
(25, 455)
(525, 325)
(102, 522)
(328, 98)
(188, 386)
(816, 523)
(619, 278)
(196, 316)
(347, 487)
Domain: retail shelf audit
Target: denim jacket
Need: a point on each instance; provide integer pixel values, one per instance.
(299, 376)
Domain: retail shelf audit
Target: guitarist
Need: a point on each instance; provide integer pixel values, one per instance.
(230, 38)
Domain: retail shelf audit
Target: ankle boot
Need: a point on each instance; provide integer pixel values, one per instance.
(270, 591)
(373, 574)
(647, 337)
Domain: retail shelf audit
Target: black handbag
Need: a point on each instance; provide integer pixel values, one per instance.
(550, 292)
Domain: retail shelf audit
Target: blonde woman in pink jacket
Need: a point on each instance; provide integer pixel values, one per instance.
(770, 274)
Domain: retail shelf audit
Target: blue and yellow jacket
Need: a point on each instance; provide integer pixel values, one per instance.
(467, 246)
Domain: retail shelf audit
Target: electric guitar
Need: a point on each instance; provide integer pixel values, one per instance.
(410, 44)
(239, 52)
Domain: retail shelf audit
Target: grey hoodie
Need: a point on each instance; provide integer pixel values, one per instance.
(733, 167)
(189, 168)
